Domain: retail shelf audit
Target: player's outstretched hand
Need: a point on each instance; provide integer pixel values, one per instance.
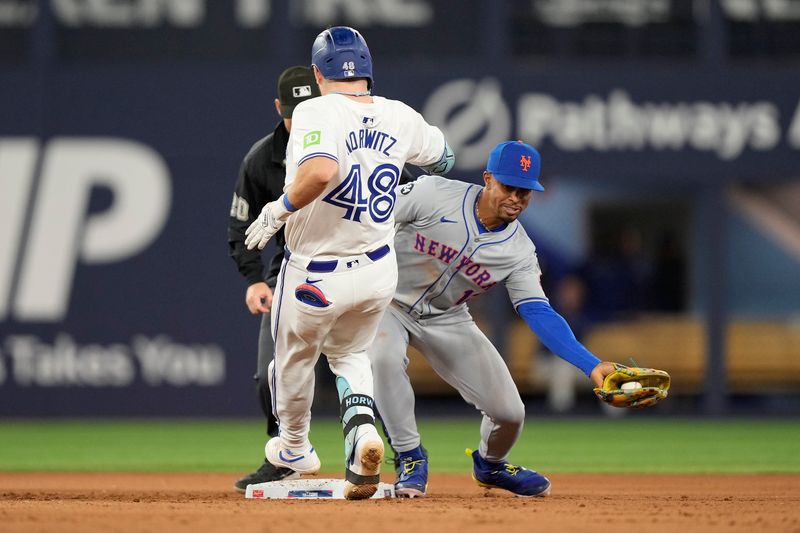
(600, 372)
(632, 387)
(271, 219)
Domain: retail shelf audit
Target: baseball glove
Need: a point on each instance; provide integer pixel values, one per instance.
(648, 387)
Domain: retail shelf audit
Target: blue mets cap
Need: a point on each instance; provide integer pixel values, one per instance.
(516, 164)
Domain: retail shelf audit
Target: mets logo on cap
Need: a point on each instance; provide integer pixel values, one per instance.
(515, 164)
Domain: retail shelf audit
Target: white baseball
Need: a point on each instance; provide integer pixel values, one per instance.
(630, 386)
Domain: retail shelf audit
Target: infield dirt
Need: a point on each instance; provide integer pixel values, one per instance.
(85, 502)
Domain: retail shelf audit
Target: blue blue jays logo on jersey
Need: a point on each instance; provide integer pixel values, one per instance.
(479, 275)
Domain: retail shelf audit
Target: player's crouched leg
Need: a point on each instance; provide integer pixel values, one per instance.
(501, 425)
(499, 432)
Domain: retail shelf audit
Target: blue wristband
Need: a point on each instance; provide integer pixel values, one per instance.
(288, 204)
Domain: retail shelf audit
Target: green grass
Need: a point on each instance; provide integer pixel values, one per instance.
(568, 445)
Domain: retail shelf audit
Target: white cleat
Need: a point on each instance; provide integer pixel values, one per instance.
(363, 475)
(303, 462)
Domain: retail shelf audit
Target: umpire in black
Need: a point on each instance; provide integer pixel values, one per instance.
(261, 180)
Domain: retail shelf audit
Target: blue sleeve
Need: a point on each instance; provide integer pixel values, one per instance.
(555, 333)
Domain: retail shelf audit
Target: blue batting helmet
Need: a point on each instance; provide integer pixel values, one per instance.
(341, 53)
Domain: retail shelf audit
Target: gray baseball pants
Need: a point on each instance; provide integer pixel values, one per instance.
(462, 355)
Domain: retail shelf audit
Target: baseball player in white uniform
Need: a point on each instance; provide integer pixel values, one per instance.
(455, 241)
(346, 152)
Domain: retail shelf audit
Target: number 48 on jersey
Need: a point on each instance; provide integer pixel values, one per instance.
(378, 199)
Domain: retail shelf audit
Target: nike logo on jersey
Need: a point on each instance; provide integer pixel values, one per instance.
(445, 220)
(309, 280)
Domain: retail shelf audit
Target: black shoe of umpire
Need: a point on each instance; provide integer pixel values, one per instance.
(266, 472)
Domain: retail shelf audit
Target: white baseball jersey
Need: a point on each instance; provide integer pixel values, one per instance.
(371, 142)
(443, 258)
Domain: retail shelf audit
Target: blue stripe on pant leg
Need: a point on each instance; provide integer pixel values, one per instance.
(275, 344)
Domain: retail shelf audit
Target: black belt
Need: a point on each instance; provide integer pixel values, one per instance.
(330, 266)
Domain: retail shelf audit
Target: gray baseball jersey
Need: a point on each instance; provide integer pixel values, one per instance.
(445, 261)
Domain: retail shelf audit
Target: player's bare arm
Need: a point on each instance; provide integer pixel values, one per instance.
(312, 178)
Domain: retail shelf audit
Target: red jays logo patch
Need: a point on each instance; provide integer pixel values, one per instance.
(525, 163)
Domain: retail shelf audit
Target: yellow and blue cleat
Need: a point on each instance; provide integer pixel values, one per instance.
(412, 473)
(516, 479)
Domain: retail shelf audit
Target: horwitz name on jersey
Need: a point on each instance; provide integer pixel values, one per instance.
(371, 139)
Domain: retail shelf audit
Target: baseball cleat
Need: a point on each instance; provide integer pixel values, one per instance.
(266, 472)
(412, 473)
(301, 461)
(513, 478)
(362, 474)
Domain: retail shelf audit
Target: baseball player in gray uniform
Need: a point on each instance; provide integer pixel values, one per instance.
(455, 241)
(343, 163)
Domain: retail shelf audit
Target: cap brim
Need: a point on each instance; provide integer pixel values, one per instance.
(516, 181)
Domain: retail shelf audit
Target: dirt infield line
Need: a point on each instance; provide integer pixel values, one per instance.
(176, 503)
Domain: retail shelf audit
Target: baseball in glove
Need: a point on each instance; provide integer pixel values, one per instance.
(633, 387)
